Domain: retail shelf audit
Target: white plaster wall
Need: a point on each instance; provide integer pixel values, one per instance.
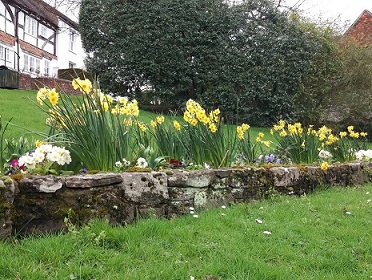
(64, 54)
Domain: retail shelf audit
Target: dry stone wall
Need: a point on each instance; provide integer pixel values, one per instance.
(39, 204)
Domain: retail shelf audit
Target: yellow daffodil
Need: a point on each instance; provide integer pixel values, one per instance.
(343, 134)
(53, 97)
(105, 106)
(331, 139)
(76, 83)
(142, 126)
(177, 125)
(123, 100)
(86, 86)
(128, 122)
(42, 95)
(324, 165)
(212, 128)
(245, 127)
(354, 134)
(193, 122)
(38, 143)
(153, 123)
(283, 133)
(266, 143)
(160, 119)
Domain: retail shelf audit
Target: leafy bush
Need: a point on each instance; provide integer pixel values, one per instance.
(250, 59)
(350, 98)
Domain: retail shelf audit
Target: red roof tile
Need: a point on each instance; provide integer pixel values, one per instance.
(361, 29)
(7, 38)
(35, 51)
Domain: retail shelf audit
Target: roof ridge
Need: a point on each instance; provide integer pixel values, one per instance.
(357, 20)
(45, 11)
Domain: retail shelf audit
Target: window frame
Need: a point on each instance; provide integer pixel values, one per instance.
(31, 26)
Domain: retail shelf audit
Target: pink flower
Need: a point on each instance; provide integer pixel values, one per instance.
(15, 164)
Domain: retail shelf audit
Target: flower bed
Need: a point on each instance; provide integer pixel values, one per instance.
(103, 133)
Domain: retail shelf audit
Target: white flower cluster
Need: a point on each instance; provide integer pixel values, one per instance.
(142, 163)
(123, 163)
(324, 154)
(45, 153)
(364, 155)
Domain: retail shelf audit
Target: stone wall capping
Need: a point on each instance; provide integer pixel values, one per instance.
(92, 180)
(39, 204)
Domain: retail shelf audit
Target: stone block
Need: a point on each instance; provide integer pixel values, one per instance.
(93, 180)
(285, 176)
(146, 188)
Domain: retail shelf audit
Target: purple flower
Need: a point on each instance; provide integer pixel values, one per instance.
(269, 158)
(83, 170)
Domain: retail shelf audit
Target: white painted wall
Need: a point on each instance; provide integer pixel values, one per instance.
(67, 55)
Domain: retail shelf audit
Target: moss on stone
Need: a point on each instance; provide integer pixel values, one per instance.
(4, 206)
(7, 180)
(93, 171)
(138, 169)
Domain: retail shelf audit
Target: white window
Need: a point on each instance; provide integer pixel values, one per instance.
(46, 67)
(2, 10)
(37, 68)
(31, 64)
(7, 54)
(4, 54)
(43, 31)
(71, 65)
(72, 40)
(31, 26)
(25, 63)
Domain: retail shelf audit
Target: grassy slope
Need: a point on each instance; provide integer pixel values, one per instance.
(27, 115)
(21, 107)
(313, 237)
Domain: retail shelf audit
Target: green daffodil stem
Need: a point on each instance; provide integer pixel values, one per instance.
(224, 158)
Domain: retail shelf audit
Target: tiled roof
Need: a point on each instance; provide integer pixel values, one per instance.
(42, 10)
(7, 38)
(35, 51)
(362, 19)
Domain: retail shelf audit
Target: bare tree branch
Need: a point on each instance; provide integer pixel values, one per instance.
(71, 7)
(64, 4)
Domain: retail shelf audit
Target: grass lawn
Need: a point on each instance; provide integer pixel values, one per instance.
(20, 106)
(27, 116)
(324, 235)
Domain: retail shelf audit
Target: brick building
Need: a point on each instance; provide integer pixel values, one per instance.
(361, 29)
